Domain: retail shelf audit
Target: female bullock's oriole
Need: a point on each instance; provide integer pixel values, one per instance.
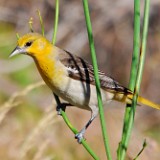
(71, 77)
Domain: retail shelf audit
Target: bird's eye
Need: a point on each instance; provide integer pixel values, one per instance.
(28, 44)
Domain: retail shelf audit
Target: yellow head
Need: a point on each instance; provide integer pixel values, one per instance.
(32, 44)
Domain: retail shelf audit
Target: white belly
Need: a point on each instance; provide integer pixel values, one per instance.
(81, 94)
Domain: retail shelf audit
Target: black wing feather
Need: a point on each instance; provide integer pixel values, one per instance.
(80, 69)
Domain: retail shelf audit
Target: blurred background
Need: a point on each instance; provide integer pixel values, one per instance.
(29, 126)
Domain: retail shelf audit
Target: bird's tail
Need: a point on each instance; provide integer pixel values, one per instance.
(145, 101)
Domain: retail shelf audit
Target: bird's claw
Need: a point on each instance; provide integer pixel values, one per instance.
(80, 136)
(60, 107)
(58, 111)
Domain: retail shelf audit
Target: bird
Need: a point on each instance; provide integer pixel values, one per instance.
(72, 78)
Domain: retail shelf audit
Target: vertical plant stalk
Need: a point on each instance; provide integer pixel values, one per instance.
(96, 76)
(41, 22)
(56, 18)
(65, 118)
(128, 118)
(31, 24)
(130, 111)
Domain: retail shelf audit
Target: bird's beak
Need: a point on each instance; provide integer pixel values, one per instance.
(16, 51)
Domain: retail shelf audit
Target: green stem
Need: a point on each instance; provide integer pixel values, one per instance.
(95, 66)
(56, 22)
(143, 147)
(17, 35)
(128, 118)
(144, 41)
(74, 130)
(85, 145)
(64, 116)
(135, 80)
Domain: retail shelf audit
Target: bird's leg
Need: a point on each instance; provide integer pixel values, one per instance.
(80, 135)
(60, 105)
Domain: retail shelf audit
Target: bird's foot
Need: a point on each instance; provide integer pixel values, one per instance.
(80, 135)
(60, 107)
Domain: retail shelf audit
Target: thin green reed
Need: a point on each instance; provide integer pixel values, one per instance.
(135, 60)
(83, 142)
(136, 74)
(56, 18)
(96, 76)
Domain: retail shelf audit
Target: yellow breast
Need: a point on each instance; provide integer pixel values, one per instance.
(52, 71)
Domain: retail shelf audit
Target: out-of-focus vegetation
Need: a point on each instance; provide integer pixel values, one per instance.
(29, 126)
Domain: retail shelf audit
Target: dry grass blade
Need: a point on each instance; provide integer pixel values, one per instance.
(47, 120)
(41, 150)
(13, 102)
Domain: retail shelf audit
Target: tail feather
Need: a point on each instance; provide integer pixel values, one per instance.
(148, 103)
(145, 102)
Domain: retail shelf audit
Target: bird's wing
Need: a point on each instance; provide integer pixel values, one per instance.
(80, 69)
